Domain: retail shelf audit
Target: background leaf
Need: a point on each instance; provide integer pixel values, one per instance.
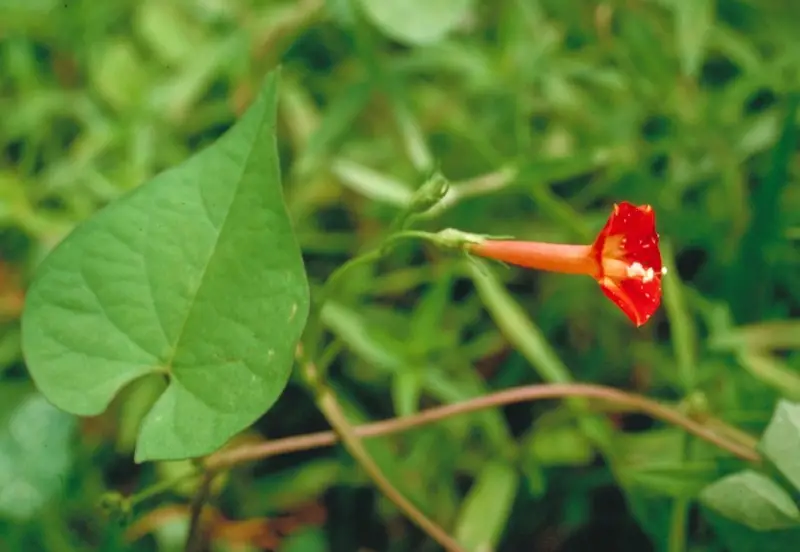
(541, 114)
(417, 22)
(195, 275)
(753, 500)
(781, 441)
(482, 518)
(35, 453)
(693, 21)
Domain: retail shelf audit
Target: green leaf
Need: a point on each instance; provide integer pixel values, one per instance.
(407, 390)
(372, 184)
(753, 500)
(167, 30)
(694, 19)
(756, 270)
(532, 344)
(118, 74)
(781, 441)
(654, 462)
(555, 440)
(195, 275)
(486, 508)
(34, 451)
(517, 326)
(339, 116)
(683, 325)
(417, 22)
(763, 336)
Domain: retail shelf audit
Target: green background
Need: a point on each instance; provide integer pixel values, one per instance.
(542, 113)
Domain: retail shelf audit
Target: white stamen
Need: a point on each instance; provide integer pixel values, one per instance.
(636, 270)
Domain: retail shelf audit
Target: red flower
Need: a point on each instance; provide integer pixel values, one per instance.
(624, 259)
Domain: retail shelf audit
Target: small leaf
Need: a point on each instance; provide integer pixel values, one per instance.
(338, 118)
(486, 508)
(693, 21)
(753, 500)
(371, 184)
(167, 30)
(653, 462)
(406, 391)
(195, 275)
(763, 336)
(118, 74)
(756, 270)
(417, 22)
(781, 441)
(561, 444)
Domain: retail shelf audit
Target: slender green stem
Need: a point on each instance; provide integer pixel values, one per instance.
(161, 487)
(314, 329)
(679, 519)
(685, 349)
(475, 187)
(370, 257)
(448, 238)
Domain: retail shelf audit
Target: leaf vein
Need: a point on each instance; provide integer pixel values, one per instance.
(171, 359)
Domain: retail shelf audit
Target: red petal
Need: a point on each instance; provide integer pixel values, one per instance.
(630, 236)
(637, 226)
(637, 299)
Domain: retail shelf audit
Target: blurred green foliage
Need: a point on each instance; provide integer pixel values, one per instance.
(541, 114)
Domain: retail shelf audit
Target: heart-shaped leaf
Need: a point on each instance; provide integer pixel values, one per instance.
(195, 275)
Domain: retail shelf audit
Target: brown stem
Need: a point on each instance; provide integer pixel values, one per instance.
(330, 407)
(246, 453)
(196, 534)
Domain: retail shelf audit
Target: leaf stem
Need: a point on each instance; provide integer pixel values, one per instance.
(448, 238)
(678, 522)
(369, 257)
(161, 487)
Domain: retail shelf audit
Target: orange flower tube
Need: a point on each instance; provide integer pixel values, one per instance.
(624, 259)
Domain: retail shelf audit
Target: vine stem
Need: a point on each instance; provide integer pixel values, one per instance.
(371, 256)
(330, 407)
(195, 535)
(740, 447)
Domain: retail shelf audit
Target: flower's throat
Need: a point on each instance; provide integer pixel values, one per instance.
(615, 267)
